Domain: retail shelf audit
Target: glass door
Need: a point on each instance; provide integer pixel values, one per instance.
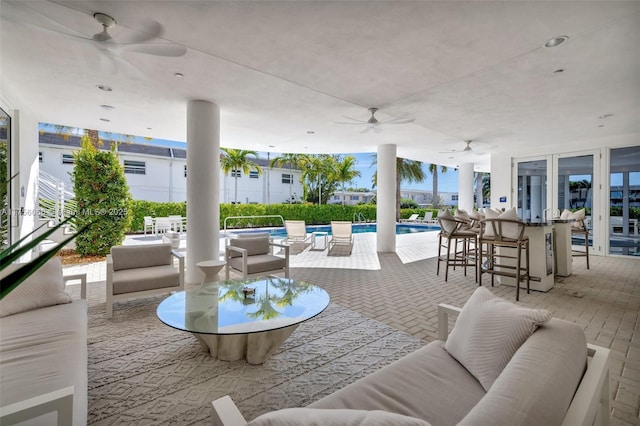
(575, 190)
(624, 201)
(532, 189)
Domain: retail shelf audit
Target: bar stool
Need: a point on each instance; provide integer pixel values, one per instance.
(500, 236)
(449, 236)
(579, 228)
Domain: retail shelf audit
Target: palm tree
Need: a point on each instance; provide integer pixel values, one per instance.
(407, 171)
(345, 171)
(433, 169)
(287, 159)
(236, 160)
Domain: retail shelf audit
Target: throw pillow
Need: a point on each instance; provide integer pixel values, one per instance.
(334, 417)
(510, 230)
(448, 222)
(578, 216)
(45, 287)
(488, 331)
(565, 214)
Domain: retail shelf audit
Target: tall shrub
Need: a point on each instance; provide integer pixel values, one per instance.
(103, 199)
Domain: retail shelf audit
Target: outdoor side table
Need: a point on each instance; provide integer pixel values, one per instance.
(211, 269)
(316, 238)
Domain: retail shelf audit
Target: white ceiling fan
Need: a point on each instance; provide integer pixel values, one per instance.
(145, 38)
(466, 150)
(373, 124)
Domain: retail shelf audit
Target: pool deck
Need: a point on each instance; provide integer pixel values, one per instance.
(364, 256)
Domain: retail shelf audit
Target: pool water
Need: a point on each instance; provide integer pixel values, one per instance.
(401, 228)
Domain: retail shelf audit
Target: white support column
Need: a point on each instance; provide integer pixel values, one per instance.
(465, 187)
(386, 199)
(203, 186)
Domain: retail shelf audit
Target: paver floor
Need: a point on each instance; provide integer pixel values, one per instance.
(402, 289)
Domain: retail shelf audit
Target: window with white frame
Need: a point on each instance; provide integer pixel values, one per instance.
(135, 167)
(454, 198)
(68, 159)
(287, 178)
(253, 174)
(185, 170)
(236, 173)
(40, 156)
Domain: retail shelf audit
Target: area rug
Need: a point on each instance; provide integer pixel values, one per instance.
(143, 372)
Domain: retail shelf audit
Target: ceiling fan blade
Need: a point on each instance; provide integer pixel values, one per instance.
(399, 121)
(159, 49)
(355, 120)
(142, 33)
(344, 122)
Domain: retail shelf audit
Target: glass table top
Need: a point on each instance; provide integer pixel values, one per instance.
(223, 308)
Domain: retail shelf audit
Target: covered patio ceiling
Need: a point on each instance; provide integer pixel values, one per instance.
(285, 73)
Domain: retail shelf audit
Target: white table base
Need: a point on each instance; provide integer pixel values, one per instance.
(256, 348)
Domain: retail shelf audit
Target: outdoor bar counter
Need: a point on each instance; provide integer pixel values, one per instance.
(549, 253)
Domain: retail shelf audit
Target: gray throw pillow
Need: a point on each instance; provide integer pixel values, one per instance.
(488, 331)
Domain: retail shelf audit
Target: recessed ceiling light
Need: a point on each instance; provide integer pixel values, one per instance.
(600, 125)
(556, 41)
(310, 132)
(148, 128)
(104, 88)
(272, 146)
(105, 119)
(108, 107)
(178, 75)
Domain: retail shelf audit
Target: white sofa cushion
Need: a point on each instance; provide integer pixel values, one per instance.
(45, 287)
(335, 417)
(44, 350)
(488, 331)
(428, 384)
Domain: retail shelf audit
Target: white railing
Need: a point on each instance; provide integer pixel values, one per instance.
(55, 202)
(358, 217)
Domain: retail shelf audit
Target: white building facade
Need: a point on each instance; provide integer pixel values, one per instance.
(157, 173)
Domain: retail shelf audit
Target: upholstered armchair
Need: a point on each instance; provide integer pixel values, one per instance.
(252, 256)
(142, 270)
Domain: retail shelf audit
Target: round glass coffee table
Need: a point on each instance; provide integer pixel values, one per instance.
(244, 318)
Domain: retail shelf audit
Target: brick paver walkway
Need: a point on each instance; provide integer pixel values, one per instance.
(402, 290)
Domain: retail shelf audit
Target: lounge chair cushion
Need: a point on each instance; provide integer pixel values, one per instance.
(45, 287)
(258, 263)
(141, 279)
(254, 246)
(130, 257)
(489, 330)
(335, 417)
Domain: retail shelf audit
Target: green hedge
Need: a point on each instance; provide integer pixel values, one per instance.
(312, 214)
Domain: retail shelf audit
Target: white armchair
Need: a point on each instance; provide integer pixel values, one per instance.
(252, 256)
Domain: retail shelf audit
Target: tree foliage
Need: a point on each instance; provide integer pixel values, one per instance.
(103, 198)
(238, 159)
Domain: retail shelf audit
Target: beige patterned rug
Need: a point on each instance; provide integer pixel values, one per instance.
(143, 372)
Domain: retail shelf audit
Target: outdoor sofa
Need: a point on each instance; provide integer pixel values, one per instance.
(537, 370)
(43, 350)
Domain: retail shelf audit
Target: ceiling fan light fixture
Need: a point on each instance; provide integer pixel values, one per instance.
(556, 41)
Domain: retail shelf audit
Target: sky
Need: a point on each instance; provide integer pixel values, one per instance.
(447, 182)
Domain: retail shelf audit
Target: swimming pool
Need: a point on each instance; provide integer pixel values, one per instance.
(401, 228)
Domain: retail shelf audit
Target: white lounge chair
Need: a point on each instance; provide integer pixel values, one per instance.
(412, 218)
(428, 218)
(341, 236)
(296, 232)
